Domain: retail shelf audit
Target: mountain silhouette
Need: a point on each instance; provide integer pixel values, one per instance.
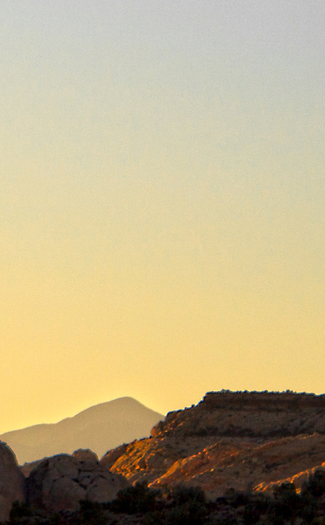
(99, 428)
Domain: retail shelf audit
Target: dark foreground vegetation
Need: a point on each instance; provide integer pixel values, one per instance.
(140, 505)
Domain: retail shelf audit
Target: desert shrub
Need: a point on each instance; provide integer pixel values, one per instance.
(182, 494)
(251, 514)
(257, 505)
(154, 518)
(136, 499)
(22, 514)
(287, 503)
(18, 511)
(315, 484)
(188, 506)
(90, 513)
(190, 513)
(240, 499)
(182, 506)
(308, 508)
(223, 518)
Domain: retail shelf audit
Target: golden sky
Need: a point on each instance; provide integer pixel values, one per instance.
(162, 202)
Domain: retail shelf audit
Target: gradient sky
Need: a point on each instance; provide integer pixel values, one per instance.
(162, 201)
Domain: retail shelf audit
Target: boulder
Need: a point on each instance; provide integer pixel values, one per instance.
(60, 482)
(83, 454)
(12, 481)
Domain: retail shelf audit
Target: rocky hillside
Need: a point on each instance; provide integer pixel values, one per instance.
(98, 428)
(230, 439)
(56, 484)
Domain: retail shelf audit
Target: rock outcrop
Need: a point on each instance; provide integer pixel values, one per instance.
(60, 482)
(248, 414)
(230, 439)
(12, 481)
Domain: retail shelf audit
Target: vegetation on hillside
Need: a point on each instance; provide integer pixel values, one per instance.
(184, 505)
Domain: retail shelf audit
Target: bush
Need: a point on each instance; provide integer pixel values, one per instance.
(287, 502)
(315, 484)
(188, 506)
(90, 513)
(190, 513)
(181, 494)
(182, 506)
(22, 514)
(134, 500)
(19, 511)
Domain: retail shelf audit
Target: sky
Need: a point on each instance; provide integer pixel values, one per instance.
(162, 202)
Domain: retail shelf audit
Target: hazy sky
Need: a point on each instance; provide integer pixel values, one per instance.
(162, 201)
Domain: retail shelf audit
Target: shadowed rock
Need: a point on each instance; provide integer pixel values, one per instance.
(12, 481)
(60, 482)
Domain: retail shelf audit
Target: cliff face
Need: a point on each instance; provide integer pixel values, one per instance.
(245, 414)
(241, 440)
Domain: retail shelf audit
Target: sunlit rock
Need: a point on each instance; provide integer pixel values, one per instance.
(244, 440)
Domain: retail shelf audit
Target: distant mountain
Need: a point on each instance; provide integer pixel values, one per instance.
(99, 428)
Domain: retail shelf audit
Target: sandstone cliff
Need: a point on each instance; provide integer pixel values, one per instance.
(241, 440)
(229, 440)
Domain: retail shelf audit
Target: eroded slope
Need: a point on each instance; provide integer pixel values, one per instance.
(241, 440)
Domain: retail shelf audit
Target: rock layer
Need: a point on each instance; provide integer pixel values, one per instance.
(230, 439)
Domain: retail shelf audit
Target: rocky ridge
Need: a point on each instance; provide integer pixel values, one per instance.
(230, 439)
(240, 440)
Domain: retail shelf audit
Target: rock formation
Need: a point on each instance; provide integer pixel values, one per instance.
(230, 439)
(60, 482)
(11, 481)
